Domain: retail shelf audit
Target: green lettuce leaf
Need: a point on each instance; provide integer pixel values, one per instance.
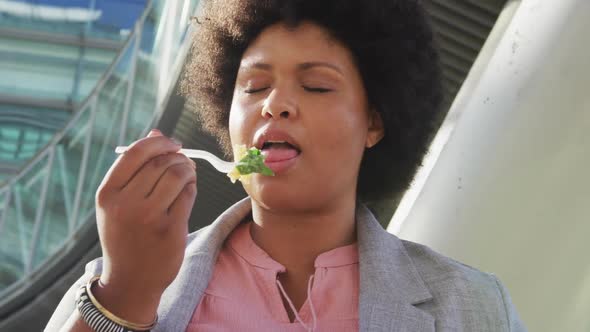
(253, 162)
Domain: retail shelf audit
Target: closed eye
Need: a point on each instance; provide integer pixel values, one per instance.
(255, 90)
(317, 90)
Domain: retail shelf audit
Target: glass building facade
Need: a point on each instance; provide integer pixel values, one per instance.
(77, 78)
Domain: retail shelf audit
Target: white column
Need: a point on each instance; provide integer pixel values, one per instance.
(509, 192)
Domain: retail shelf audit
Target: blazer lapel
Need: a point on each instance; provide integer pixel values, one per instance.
(390, 285)
(181, 298)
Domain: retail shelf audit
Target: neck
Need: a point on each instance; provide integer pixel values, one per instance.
(295, 239)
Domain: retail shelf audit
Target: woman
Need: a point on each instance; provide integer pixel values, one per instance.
(342, 98)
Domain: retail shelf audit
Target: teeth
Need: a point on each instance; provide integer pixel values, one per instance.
(268, 143)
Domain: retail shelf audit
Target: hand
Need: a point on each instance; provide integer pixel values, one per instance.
(142, 209)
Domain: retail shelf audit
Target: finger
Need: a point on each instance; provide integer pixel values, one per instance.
(155, 132)
(171, 184)
(108, 176)
(140, 152)
(145, 180)
(183, 204)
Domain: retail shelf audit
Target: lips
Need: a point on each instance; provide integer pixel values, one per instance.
(280, 150)
(268, 135)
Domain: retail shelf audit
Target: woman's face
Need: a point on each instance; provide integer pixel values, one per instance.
(300, 98)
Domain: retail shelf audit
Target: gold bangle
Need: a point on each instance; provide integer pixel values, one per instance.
(113, 317)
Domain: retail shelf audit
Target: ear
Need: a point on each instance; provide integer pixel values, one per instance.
(376, 129)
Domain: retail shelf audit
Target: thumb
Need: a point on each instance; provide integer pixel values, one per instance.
(154, 132)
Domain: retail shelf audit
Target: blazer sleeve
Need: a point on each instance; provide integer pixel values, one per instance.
(67, 305)
(514, 322)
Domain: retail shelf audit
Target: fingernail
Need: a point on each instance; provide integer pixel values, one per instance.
(194, 164)
(154, 132)
(176, 141)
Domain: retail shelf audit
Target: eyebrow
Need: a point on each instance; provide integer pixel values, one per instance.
(302, 66)
(309, 65)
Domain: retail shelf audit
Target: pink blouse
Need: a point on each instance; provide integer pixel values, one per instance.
(244, 293)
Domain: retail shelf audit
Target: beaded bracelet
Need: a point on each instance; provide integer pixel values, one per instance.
(99, 318)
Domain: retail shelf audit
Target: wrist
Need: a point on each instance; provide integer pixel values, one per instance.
(128, 302)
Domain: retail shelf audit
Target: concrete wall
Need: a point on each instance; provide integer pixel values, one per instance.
(509, 192)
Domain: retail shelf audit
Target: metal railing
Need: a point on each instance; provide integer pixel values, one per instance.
(49, 199)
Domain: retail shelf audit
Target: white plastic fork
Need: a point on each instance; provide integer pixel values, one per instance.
(219, 164)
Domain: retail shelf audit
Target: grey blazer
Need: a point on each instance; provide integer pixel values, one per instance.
(404, 286)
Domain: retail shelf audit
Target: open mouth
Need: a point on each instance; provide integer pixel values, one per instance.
(279, 155)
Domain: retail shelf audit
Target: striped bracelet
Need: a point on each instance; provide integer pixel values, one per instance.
(100, 319)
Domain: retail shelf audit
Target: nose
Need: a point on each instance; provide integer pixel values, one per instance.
(279, 105)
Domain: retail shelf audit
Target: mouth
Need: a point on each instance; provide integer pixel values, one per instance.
(280, 149)
(279, 155)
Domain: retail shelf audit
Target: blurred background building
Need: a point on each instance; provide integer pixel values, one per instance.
(503, 189)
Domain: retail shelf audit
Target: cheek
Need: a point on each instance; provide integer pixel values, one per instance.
(337, 148)
(342, 131)
(339, 142)
(238, 125)
(341, 120)
(244, 116)
(235, 120)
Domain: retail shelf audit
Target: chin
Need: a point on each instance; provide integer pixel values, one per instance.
(279, 196)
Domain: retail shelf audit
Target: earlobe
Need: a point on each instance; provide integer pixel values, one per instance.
(376, 129)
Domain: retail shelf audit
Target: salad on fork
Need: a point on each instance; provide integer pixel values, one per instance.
(249, 161)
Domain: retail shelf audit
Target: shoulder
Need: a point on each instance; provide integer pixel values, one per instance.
(437, 269)
(462, 294)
